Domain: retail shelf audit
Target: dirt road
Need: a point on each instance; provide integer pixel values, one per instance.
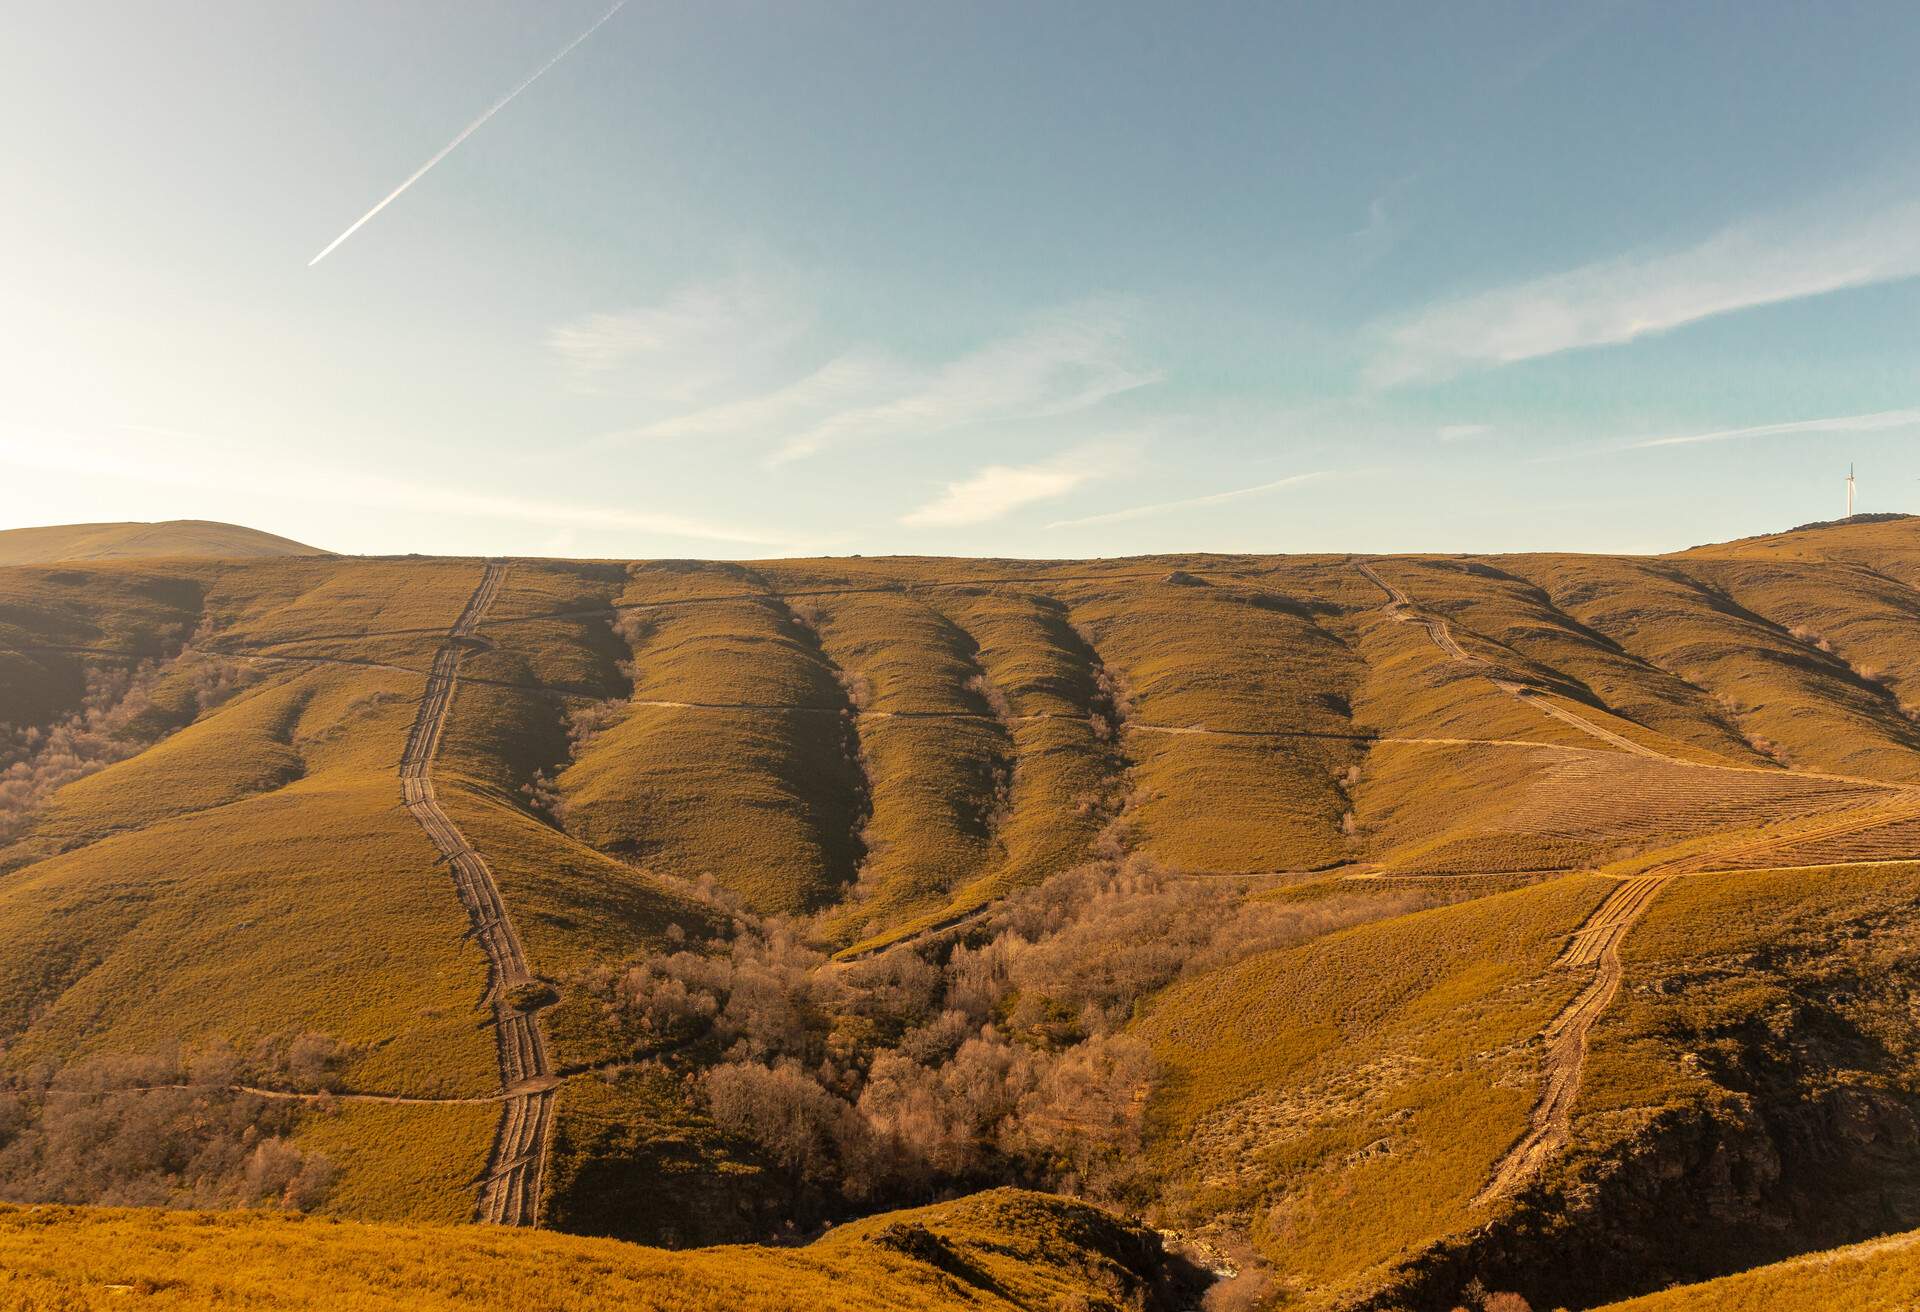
(509, 1193)
(1403, 608)
(1595, 945)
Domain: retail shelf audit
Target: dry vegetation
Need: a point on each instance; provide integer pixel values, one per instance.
(1884, 1273)
(1001, 1250)
(1212, 888)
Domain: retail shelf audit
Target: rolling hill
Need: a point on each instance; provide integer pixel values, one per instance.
(172, 537)
(1400, 928)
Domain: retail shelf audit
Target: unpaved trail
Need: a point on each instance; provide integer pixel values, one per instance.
(304, 1095)
(510, 1191)
(1595, 945)
(1403, 608)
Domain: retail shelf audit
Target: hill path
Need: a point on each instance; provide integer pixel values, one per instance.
(1595, 945)
(510, 1191)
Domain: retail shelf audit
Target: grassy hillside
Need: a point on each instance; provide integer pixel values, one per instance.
(1884, 1273)
(1000, 1250)
(173, 537)
(1390, 923)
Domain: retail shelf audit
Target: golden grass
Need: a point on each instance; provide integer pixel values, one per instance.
(1237, 659)
(1515, 624)
(244, 748)
(763, 801)
(402, 1162)
(752, 783)
(1004, 1249)
(169, 538)
(1518, 808)
(1697, 928)
(1779, 692)
(360, 609)
(933, 785)
(314, 905)
(144, 611)
(253, 873)
(1875, 1276)
(632, 1158)
(1414, 689)
(1349, 1097)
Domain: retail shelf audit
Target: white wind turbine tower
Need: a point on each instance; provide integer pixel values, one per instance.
(1849, 491)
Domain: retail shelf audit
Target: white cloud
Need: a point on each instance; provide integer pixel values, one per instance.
(685, 347)
(993, 492)
(1066, 362)
(1070, 362)
(1867, 423)
(1618, 300)
(1212, 499)
(1462, 432)
(846, 380)
(998, 490)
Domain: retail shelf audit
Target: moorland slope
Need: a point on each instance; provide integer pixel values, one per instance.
(1399, 926)
(132, 541)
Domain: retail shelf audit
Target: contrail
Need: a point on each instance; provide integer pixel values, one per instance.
(465, 132)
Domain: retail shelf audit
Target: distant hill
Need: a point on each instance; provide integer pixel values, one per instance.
(202, 538)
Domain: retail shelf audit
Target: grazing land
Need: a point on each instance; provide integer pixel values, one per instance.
(1389, 932)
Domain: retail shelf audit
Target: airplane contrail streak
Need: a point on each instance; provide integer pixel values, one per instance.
(465, 132)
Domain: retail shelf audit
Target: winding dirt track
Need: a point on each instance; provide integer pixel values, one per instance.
(1595, 945)
(510, 1190)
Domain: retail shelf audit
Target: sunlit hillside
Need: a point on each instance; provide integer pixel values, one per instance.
(1392, 931)
(173, 537)
(1004, 1249)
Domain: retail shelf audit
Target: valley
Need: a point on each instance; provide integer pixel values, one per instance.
(1395, 926)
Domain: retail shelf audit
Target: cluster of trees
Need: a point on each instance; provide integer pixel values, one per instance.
(1003, 1057)
(162, 1131)
(117, 718)
(38, 760)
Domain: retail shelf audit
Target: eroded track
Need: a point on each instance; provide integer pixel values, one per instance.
(1595, 945)
(509, 1193)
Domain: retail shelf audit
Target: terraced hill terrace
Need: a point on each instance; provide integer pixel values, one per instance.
(1392, 932)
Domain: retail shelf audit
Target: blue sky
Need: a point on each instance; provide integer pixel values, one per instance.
(1029, 280)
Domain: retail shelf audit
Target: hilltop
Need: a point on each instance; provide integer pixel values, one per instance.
(171, 537)
(1396, 927)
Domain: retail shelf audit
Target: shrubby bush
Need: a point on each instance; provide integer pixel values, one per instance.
(999, 1058)
(39, 760)
(161, 1131)
(117, 719)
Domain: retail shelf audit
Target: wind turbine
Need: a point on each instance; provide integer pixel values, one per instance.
(1849, 491)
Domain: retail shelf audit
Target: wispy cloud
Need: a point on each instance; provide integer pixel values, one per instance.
(712, 341)
(465, 132)
(1615, 301)
(684, 348)
(844, 381)
(1877, 421)
(1069, 362)
(998, 490)
(1211, 499)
